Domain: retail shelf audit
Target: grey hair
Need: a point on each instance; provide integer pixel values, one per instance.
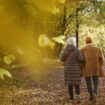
(71, 41)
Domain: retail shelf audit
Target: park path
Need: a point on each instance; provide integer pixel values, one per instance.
(56, 93)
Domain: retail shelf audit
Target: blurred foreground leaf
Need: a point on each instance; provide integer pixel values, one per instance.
(44, 41)
(59, 39)
(9, 59)
(4, 72)
(20, 50)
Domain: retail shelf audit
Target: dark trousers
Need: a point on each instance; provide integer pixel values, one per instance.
(77, 89)
(89, 85)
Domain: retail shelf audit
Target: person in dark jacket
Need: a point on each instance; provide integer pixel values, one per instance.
(72, 72)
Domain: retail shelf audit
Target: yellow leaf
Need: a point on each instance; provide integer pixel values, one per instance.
(4, 72)
(52, 45)
(44, 41)
(9, 59)
(59, 39)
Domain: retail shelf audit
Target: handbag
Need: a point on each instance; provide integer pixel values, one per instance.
(67, 57)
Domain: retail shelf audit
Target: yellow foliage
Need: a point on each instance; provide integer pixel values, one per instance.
(62, 1)
(59, 39)
(48, 5)
(9, 59)
(19, 35)
(44, 41)
(20, 50)
(4, 72)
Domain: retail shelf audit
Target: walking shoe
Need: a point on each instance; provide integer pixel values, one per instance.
(91, 99)
(71, 101)
(78, 98)
(95, 97)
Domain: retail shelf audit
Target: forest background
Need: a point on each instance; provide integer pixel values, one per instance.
(33, 33)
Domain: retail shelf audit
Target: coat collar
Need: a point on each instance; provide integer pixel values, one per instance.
(89, 44)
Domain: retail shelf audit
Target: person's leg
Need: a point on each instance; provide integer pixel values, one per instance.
(89, 86)
(95, 82)
(71, 91)
(77, 89)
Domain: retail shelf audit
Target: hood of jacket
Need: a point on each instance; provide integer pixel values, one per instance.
(70, 47)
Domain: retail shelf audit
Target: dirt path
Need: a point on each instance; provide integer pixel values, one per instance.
(55, 94)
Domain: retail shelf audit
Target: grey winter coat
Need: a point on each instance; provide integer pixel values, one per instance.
(72, 69)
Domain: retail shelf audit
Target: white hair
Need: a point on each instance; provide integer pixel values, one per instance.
(71, 41)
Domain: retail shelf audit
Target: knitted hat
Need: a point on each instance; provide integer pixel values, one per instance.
(71, 41)
(88, 40)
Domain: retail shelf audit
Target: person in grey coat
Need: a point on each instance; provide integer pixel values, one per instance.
(72, 72)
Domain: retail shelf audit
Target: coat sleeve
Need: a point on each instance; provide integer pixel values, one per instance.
(101, 58)
(64, 54)
(80, 57)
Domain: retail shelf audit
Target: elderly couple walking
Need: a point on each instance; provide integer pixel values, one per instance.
(86, 63)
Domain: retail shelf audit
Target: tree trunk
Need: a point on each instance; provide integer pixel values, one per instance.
(77, 28)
